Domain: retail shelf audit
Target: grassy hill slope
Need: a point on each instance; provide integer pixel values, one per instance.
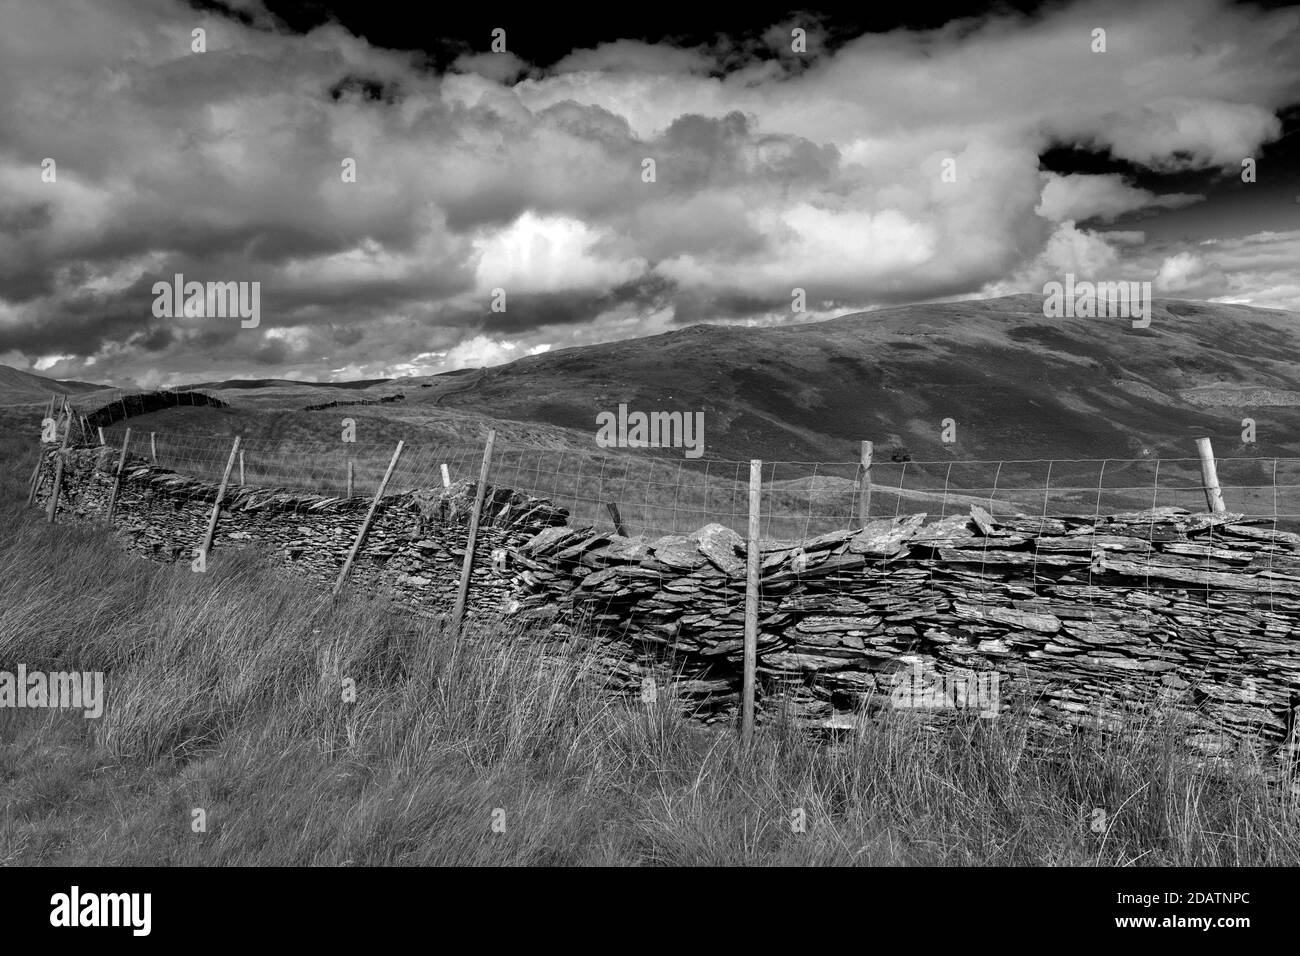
(1018, 385)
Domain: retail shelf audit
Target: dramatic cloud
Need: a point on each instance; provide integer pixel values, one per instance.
(1100, 197)
(1258, 270)
(628, 187)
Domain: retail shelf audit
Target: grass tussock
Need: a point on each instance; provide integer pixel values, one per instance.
(312, 733)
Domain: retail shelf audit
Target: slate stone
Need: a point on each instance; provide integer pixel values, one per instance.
(1088, 611)
(723, 547)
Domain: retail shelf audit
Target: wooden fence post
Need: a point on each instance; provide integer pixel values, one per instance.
(1210, 477)
(241, 468)
(462, 594)
(35, 481)
(117, 476)
(365, 525)
(864, 489)
(206, 543)
(53, 506)
(153, 448)
(102, 443)
(446, 476)
(349, 477)
(751, 601)
(617, 518)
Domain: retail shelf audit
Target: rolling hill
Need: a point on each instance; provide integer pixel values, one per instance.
(1017, 385)
(18, 387)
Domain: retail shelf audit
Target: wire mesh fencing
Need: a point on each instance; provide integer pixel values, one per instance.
(323, 467)
(637, 494)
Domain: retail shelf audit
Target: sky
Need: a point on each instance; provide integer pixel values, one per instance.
(502, 204)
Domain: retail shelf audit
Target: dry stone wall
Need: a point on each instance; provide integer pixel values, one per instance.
(1078, 619)
(128, 406)
(414, 550)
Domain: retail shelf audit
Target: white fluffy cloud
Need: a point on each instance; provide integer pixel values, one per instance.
(1179, 272)
(226, 165)
(551, 254)
(482, 350)
(1258, 269)
(1078, 197)
(830, 251)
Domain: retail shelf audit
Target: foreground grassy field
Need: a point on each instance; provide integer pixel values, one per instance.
(225, 693)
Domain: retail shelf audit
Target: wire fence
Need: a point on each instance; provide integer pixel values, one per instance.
(1081, 577)
(653, 495)
(317, 466)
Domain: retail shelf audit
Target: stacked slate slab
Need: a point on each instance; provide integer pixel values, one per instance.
(1083, 619)
(413, 552)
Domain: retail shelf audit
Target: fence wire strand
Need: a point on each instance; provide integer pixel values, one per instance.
(657, 495)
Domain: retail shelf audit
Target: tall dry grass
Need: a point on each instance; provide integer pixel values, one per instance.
(225, 693)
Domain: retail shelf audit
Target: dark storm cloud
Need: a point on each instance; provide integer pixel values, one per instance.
(774, 169)
(693, 309)
(346, 336)
(20, 219)
(539, 309)
(270, 353)
(156, 339)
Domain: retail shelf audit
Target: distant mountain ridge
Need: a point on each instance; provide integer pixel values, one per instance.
(17, 386)
(246, 383)
(996, 375)
(1015, 384)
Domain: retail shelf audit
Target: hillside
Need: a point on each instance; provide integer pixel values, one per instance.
(251, 383)
(18, 387)
(1018, 385)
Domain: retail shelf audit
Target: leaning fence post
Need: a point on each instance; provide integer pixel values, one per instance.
(617, 518)
(58, 473)
(35, 480)
(1210, 477)
(40, 455)
(365, 525)
(153, 448)
(216, 505)
(117, 476)
(102, 443)
(462, 594)
(751, 602)
(864, 489)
